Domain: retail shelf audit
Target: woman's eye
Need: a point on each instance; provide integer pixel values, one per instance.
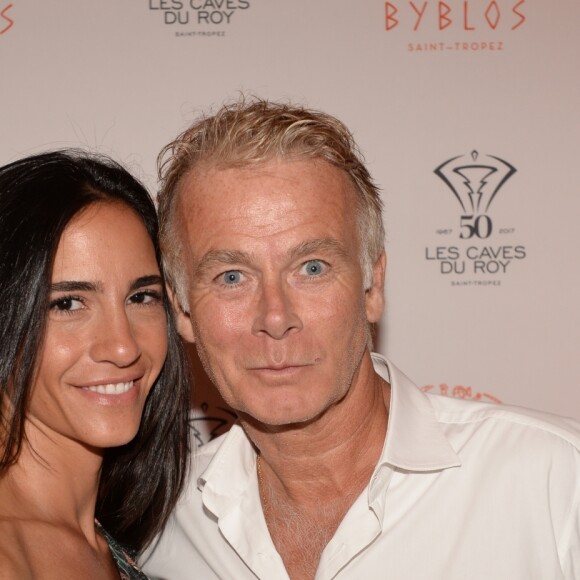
(66, 304)
(314, 267)
(231, 277)
(145, 297)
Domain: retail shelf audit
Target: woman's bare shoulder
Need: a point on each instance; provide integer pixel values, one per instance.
(33, 550)
(13, 561)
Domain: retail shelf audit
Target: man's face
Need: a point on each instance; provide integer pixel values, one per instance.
(277, 306)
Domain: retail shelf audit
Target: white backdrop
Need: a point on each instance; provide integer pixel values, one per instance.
(481, 307)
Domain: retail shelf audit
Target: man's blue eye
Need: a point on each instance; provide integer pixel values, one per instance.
(232, 277)
(314, 267)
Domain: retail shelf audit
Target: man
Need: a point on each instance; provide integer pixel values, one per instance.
(339, 467)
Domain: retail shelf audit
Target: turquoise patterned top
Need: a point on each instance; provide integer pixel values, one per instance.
(126, 565)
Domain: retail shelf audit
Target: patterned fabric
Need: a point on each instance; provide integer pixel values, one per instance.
(126, 565)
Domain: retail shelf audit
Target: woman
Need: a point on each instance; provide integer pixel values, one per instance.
(93, 381)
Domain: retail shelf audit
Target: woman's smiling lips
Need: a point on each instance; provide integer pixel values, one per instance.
(113, 391)
(111, 388)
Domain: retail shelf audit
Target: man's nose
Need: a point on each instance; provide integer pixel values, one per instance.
(115, 341)
(276, 315)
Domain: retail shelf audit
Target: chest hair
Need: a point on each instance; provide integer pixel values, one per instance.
(300, 533)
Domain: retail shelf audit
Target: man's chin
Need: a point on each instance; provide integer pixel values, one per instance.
(278, 420)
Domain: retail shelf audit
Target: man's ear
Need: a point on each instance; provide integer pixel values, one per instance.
(375, 295)
(182, 318)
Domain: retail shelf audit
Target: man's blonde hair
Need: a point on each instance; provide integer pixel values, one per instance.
(254, 131)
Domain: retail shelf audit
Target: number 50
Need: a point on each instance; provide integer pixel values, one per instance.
(479, 226)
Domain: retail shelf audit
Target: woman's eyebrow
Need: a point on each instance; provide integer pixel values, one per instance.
(151, 280)
(75, 286)
(84, 286)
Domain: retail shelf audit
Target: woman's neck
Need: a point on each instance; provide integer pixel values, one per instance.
(55, 480)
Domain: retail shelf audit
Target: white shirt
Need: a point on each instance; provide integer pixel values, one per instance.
(463, 491)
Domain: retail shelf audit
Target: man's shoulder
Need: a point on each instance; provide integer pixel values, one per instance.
(501, 419)
(459, 417)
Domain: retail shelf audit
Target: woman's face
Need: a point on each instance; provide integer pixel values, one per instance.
(106, 335)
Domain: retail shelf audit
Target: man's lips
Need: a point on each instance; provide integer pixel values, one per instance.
(279, 368)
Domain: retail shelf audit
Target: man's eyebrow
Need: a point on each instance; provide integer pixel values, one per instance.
(221, 257)
(231, 257)
(329, 245)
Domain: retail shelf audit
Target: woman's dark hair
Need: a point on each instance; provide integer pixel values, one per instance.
(39, 196)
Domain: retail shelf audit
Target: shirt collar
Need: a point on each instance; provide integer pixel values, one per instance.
(230, 471)
(415, 440)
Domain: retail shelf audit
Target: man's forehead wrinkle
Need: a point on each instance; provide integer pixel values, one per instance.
(219, 179)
